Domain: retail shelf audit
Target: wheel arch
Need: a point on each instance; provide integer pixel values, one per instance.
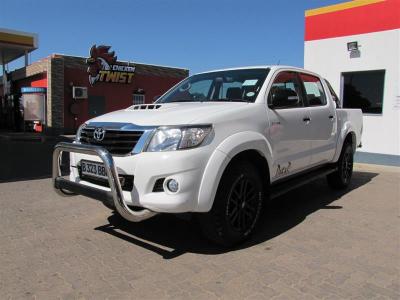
(251, 146)
(257, 160)
(347, 134)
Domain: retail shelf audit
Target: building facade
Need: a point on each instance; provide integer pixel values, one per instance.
(62, 91)
(356, 46)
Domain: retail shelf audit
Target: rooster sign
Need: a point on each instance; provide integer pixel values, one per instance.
(103, 67)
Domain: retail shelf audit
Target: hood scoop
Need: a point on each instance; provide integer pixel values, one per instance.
(146, 106)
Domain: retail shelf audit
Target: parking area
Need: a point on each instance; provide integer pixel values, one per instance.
(311, 243)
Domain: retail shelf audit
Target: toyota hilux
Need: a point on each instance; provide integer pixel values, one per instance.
(218, 144)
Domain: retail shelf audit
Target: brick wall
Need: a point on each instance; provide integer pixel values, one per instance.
(62, 70)
(31, 70)
(55, 94)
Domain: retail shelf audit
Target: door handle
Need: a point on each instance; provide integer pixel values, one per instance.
(331, 117)
(307, 119)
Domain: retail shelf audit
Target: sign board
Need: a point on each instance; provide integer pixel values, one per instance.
(34, 103)
(103, 67)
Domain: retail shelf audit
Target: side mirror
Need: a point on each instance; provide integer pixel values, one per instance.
(282, 98)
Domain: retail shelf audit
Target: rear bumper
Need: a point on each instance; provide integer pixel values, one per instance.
(115, 192)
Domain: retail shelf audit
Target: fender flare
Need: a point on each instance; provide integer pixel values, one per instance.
(220, 158)
(346, 129)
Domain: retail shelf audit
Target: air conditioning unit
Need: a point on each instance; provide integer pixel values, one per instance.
(79, 92)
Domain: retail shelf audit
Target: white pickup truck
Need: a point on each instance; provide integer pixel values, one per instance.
(218, 144)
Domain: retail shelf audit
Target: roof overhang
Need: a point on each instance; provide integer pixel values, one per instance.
(15, 44)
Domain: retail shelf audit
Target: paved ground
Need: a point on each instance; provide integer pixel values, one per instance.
(27, 159)
(313, 243)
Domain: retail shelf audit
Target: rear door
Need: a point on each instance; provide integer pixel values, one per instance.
(323, 119)
(289, 125)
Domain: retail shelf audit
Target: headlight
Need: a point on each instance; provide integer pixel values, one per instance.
(79, 132)
(171, 138)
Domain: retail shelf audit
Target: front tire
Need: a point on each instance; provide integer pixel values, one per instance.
(237, 205)
(340, 179)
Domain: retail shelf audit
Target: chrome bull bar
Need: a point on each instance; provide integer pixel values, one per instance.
(116, 196)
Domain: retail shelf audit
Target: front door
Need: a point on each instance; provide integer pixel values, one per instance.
(289, 126)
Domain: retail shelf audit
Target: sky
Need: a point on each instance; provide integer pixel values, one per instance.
(199, 35)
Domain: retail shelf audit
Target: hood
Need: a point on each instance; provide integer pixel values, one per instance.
(168, 113)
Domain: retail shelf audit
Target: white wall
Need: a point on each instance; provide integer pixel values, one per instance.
(379, 50)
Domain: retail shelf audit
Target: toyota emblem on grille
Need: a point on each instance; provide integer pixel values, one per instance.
(99, 134)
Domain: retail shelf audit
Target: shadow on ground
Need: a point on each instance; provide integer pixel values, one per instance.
(171, 237)
(26, 160)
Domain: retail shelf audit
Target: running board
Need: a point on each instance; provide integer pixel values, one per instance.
(285, 185)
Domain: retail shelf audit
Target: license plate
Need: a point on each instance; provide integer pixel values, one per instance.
(93, 169)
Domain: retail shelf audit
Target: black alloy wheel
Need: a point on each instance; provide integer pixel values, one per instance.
(243, 205)
(237, 205)
(347, 166)
(341, 178)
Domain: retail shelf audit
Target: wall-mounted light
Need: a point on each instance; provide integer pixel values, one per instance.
(352, 46)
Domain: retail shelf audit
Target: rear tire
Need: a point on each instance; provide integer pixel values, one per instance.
(340, 179)
(237, 205)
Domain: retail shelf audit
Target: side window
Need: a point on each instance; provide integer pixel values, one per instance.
(284, 92)
(314, 90)
(333, 94)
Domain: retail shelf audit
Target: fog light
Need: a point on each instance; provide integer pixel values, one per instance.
(173, 185)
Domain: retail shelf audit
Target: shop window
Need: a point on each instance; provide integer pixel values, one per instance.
(138, 99)
(364, 90)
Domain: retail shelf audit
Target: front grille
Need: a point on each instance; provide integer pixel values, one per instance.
(118, 142)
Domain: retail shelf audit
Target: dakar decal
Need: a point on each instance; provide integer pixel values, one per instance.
(283, 170)
(103, 67)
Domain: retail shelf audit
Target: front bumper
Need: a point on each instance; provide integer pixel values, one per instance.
(186, 167)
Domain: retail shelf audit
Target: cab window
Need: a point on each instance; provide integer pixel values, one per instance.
(285, 92)
(314, 91)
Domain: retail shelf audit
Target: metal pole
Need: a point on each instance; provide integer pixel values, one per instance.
(4, 73)
(26, 58)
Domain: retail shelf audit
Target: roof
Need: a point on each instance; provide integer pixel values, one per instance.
(352, 18)
(79, 62)
(272, 67)
(339, 7)
(14, 44)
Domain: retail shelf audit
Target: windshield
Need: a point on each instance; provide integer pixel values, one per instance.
(235, 85)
